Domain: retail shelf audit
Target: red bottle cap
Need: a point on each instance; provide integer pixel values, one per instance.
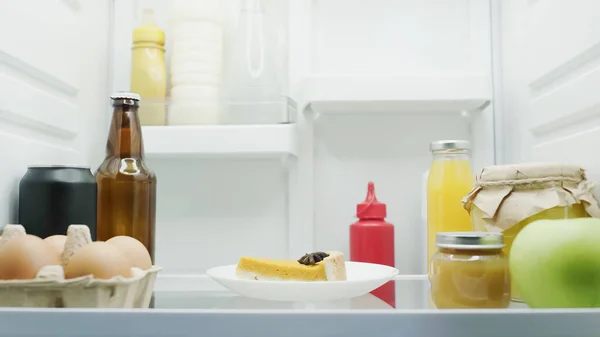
(371, 208)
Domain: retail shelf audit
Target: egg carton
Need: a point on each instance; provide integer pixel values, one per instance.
(50, 289)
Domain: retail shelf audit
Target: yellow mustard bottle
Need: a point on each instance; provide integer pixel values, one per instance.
(148, 70)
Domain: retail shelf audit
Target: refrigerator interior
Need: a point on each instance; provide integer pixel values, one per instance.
(372, 84)
(370, 96)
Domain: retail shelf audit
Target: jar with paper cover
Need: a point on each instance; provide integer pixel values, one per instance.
(506, 198)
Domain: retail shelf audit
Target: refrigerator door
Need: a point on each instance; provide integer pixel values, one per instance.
(550, 52)
(53, 87)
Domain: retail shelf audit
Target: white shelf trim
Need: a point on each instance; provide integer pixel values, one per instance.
(220, 140)
(363, 94)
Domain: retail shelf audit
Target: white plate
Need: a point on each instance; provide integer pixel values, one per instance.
(362, 278)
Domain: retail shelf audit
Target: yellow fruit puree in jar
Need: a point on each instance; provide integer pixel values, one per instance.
(470, 275)
(450, 178)
(506, 198)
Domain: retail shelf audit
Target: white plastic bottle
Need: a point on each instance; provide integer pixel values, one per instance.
(196, 35)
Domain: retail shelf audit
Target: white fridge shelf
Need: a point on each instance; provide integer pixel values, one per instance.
(394, 94)
(220, 141)
(221, 313)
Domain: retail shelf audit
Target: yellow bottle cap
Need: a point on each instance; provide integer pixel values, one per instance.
(148, 31)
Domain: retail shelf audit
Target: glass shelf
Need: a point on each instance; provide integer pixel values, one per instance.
(225, 112)
(394, 94)
(412, 293)
(254, 141)
(222, 313)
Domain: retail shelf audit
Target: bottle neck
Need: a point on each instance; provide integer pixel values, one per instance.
(457, 154)
(368, 218)
(125, 134)
(148, 45)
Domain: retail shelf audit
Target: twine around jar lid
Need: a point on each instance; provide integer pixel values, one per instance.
(532, 173)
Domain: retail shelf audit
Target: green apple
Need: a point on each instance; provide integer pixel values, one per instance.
(556, 263)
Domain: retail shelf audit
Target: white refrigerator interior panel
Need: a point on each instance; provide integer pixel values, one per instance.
(391, 151)
(211, 212)
(53, 87)
(398, 37)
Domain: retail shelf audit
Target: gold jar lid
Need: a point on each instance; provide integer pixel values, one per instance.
(441, 145)
(470, 240)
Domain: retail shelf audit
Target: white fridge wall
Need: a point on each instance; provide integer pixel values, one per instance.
(389, 37)
(433, 37)
(392, 151)
(54, 72)
(550, 80)
(212, 211)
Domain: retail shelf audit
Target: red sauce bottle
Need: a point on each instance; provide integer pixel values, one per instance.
(372, 240)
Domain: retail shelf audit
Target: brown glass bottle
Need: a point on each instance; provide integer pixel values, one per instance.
(126, 186)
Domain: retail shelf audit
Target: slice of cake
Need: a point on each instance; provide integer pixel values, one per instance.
(319, 266)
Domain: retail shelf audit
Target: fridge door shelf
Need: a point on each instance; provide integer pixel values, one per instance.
(221, 313)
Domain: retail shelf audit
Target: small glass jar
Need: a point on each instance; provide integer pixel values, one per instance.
(470, 271)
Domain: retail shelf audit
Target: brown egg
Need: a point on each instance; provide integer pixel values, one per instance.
(135, 251)
(22, 258)
(57, 242)
(99, 259)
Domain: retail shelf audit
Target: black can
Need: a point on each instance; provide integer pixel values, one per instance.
(53, 197)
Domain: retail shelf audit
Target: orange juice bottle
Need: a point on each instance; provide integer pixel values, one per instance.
(450, 179)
